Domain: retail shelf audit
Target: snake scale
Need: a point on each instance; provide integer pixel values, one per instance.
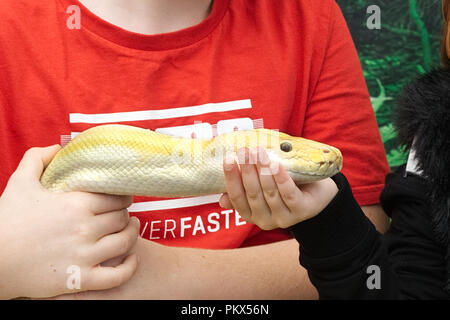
(126, 160)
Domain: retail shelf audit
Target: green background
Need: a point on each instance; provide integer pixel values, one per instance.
(406, 46)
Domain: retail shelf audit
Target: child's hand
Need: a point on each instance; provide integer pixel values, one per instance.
(271, 200)
(49, 241)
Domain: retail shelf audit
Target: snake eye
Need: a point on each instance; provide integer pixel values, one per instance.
(286, 147)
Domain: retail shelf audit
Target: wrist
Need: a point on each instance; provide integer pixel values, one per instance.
(338, 227)
(321, 194)
(328, 190)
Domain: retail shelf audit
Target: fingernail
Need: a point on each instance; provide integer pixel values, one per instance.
(228, 163)
(264, 157)
(274, 167)
(253, 156)
(137, 220)
(242, 156)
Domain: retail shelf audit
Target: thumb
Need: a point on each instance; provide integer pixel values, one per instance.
(35, 160)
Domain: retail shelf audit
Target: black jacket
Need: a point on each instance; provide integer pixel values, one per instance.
(347, 258)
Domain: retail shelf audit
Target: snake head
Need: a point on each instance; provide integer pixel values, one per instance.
(305, 160)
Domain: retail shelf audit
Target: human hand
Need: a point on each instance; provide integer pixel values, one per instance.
(42, 234)
(264, 194)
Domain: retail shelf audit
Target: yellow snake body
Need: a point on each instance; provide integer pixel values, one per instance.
(125, 160)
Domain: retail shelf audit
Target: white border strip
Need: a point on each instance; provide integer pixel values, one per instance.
(160, 114)
(173, 203)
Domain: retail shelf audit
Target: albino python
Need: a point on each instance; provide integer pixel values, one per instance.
(125, 160)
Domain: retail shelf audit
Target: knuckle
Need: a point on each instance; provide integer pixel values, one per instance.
(253, 195)
(124, 244)
(31, 153)
(290, 196)
(271, 193)
(235, 198)
(122, 219)
(82, 230)
(82, 254)
(137, 223)
(74, 204)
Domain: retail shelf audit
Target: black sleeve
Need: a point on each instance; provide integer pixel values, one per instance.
(346, 258)
(342, 251)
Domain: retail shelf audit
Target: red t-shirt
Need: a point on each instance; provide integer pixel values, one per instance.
(288, 65)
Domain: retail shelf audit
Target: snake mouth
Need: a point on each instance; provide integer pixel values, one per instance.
(302, 171)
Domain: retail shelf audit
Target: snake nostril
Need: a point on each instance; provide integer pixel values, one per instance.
(326, 151)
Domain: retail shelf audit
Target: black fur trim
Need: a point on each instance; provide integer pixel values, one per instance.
(423, 113)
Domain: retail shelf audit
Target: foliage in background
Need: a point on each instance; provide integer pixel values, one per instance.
(406, 46)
